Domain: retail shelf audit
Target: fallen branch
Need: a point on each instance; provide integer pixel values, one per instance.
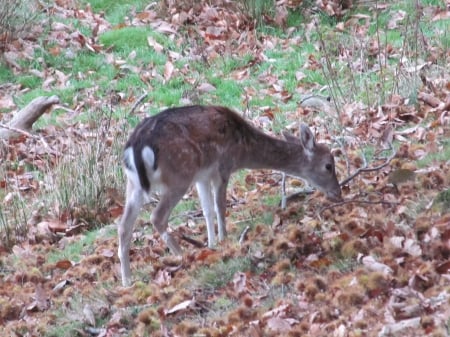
(25, 133)
(136, 104)
(283, 191)
(369, 169)
(26, 117)
(16, 130)
(351, 201)
(243, 235)
(195, 243)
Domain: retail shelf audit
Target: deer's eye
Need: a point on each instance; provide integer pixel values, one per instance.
(329, 167)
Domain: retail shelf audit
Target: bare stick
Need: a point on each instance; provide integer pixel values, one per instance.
(23, 132)
(62, 107)
(369, 169)
(136, 104)
(243, 235)
(283, 191)
(25, 118)
(195, 243)
(382, 202)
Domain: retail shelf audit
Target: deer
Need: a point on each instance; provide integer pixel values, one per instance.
(203, 145)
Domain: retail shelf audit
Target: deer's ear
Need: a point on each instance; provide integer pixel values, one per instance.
(307, 137)
(291, 138)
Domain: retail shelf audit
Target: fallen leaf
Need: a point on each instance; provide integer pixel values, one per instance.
(88, 315)
(179, 307)
(41, 301)
(162, 278)
(205, 254)
(278, 324)
(240, 283)
(64, 264)
(6, 102)
(168, 71)
(374, 265)
(443, 268)
(108, 252)
(152, 43)
(60, 286)
(206, 87)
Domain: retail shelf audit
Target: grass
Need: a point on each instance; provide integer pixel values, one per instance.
(82, 178)
(440, 156)
(14, 214)
(218, 275)
(182, 210)
(67, 329)
(257, 9)
(75, 250)
(116, 11)
(125, 39)
(6, 75)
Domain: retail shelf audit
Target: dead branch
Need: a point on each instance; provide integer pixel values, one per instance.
(136, 104)
(243, 235)
(195, 243)
(26, 117)
(16, 130)
(356, 201)
(22, 132)
(370, 169)
(283, 191)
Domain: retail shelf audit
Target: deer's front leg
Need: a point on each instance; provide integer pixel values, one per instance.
(206, 201)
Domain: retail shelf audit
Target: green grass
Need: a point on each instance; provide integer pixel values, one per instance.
(228, 92)
(116, 11)
(67, 329)
(128, 38)
(440, 156)
(13, 220)
(181, 211)
(75, 250)
(6, 75)
(218, 275)
(29, 81)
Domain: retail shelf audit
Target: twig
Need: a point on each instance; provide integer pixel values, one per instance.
(333, 86)
(66, 109)
(136, 104)
(243, 235)
(382, 202)
(197, 213)
(25, 133)
(283, 191)
(344, 151)
(195, 243)
(242, 221)
(370, 169)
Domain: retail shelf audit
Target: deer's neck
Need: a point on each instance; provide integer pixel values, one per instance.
(262, 151)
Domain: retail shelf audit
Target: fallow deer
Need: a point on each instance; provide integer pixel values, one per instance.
(178, 147)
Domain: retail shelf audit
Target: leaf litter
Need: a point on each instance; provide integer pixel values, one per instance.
(376, 266)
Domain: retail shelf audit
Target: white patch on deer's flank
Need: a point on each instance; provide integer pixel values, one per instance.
(130, 167)
(154, 176)
(148, 156)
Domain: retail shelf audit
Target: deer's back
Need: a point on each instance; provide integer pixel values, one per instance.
(191, 137)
